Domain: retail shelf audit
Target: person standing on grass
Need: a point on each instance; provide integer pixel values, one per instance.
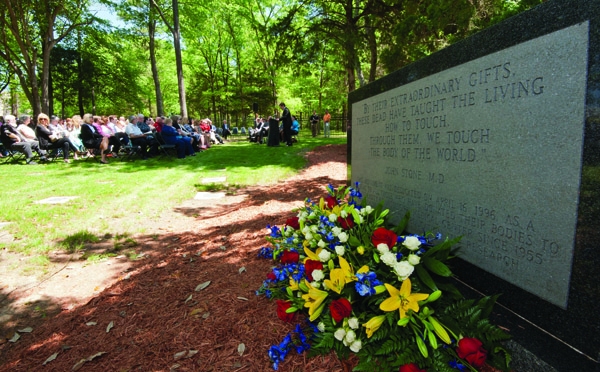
(314, 123)
(326, 120)
(286, 119)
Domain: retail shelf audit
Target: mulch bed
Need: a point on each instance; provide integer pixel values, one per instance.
(152, 315)
(153, 319)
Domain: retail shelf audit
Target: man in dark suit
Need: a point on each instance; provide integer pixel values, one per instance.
(226, 131)
(286, 119)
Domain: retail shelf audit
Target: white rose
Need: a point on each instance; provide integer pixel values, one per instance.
(332, 217)
(344, 214)
(301, 220)
(350, 336)
(305, 230)
(345, 343)
(336, 231)
(368, 209)
(324, 255)
(340, 334)
(296, 241)
(360, 220)
(356, 346)
(413, 259)
(308, 236)
(314, 228)
(353, 323)
(317, 275)
(316, 284)
(343, 237)
(321, 243)
(403, 269)
(412, 243)
(389, 258)
(340, 250)
(383, 248)
(321, 327)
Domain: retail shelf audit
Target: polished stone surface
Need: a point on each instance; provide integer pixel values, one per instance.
(564, 335)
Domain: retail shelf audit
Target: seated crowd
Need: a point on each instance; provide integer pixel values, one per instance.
(104, 136)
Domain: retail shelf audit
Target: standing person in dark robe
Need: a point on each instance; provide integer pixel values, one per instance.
(286, 119)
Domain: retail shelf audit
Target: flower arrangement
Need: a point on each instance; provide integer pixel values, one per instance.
(364, 288)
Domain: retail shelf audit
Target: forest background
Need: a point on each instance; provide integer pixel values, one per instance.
(201, 58)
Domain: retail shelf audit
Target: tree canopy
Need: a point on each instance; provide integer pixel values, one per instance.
(215, 58)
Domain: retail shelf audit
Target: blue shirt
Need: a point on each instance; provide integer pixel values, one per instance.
(296, 126)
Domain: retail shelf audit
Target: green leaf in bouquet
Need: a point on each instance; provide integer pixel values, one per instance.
(424, 276)
(437, 267)
(289, 291)
(353, 241)
(402, 225)
(487, 305)
(291, 310)
(356, 216)
(376, 257)
(447, 244)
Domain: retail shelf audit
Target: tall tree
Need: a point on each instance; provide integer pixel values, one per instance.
(176, 32)
(30, 29)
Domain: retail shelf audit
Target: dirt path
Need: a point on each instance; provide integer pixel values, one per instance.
(141, 313)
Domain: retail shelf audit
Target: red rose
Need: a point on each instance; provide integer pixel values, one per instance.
(340, 309)
(293, 223)
(382, 235)
(331, 202)
(310, 266)
(282, 306)
(347, 223)
(271, 276)
(289, 257)
(470, 349)
(411, 368)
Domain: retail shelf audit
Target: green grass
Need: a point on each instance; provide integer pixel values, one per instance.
(124, 193)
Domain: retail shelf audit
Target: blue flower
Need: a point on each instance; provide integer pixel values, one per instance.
(366, 283)
(457, 365)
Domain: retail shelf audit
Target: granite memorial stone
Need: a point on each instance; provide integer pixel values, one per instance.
(495, 138)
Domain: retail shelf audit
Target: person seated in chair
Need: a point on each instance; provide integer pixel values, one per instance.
(138, 138)
(113, 142)
(14, 141)
(92, 139)
(173, 136)
(52, 140)
(226, 130)
(262, 130)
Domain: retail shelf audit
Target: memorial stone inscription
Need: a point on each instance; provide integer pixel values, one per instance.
(491, 150)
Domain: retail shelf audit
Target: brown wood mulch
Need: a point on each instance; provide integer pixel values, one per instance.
(154, 319)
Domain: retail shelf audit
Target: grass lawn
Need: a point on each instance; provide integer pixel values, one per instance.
(127, 192)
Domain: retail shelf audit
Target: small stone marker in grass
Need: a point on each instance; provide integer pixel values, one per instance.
(213, 180)
(56, 200)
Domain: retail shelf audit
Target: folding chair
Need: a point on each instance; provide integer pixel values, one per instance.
(129, 151)
(12, 156)
(163, 148)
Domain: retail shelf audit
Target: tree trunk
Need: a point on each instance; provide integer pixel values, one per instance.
(372, 48)
(80, 70)
(93, 99)
(157, 91)
(178, 59)
(50, 94)
(45, 76)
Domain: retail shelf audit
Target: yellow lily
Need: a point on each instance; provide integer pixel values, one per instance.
(314, 301)
(293, 284)
(337, 280)
(402, 299)
(349, 271)
(373, 324)
(312, 255)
